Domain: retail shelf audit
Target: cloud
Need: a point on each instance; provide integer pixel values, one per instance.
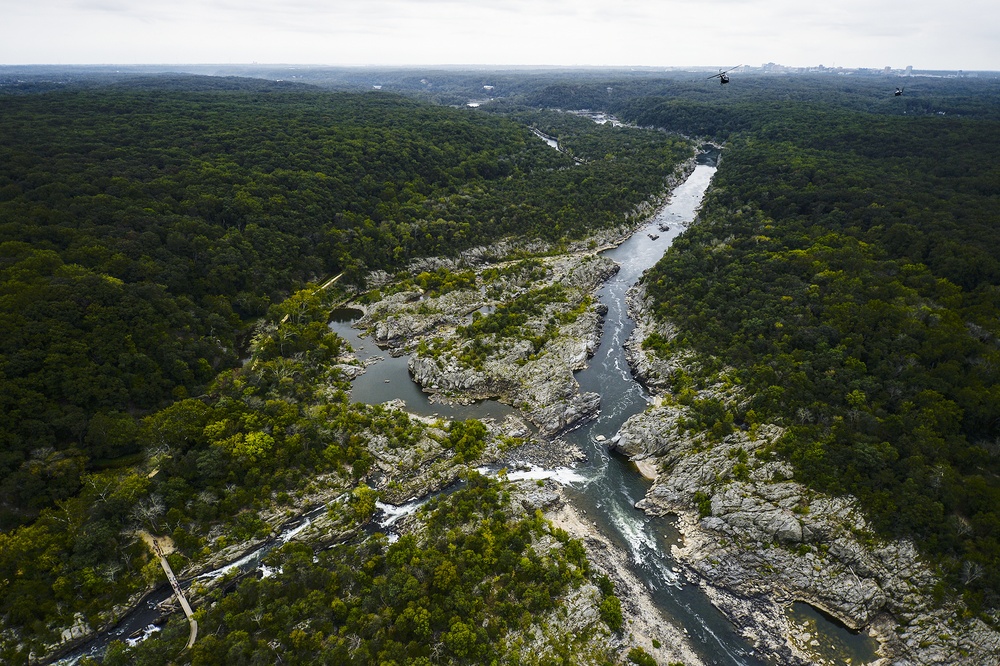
(639, 32)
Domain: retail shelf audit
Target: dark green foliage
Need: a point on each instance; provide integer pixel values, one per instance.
(708, 415)
(611, 612)
(605, 585)
(640, 657)
(508, 318)
(467, 439)
(78, 557)
(143, 226)
(443, 281)
(846, 267)
(362, 504)
(692, 107)
(454, 594)
(222, 460)
(610, 607)
(704, 503)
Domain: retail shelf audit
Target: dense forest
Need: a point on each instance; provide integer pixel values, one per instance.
(143, 226)
(167, 366)
(454, 593)
(165, 363)
(213, 468)
(844, 273)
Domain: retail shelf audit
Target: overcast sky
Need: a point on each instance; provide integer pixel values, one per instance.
(963, 34)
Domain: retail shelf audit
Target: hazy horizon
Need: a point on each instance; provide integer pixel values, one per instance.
(503, 33)
(192, 67)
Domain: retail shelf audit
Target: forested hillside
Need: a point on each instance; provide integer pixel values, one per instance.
(464, 590)
(844, 273)
(690, 103)
(144, 225)
(165, 363)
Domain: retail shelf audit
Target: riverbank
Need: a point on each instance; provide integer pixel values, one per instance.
(645, 625)
(556, 331)
(422, 319)
(516, 335)
(757, 542)
(754, 542)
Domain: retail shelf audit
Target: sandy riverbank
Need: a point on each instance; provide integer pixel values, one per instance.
(644, 623)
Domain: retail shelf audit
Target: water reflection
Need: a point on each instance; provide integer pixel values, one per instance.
(607, 486)
(388, 378)
(830, 641)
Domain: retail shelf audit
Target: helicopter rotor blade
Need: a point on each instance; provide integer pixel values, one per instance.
(723, 71)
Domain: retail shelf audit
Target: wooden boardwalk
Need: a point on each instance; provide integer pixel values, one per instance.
(325, 285)
(177, 589)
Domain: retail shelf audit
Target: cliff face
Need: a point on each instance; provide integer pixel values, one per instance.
(758, 541)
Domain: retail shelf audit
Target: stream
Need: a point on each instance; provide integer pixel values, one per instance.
(613, 485)
(606, 486)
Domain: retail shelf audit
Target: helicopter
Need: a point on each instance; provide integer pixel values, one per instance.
(898, 93)
(723, 75)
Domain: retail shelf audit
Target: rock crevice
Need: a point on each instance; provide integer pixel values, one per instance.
(758, 541)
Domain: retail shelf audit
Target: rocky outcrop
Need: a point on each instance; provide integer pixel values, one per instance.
(543, 387)
(503, 249)
(538, 380)
(654, 435)
(652, 370)
(546, 389)
(768, 539)
(452, 378)
(757, 541)
(644, 625)
(559, 416)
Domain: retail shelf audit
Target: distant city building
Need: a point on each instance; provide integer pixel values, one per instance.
(773, 68)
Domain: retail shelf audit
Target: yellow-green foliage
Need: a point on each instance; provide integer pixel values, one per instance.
(458, 591)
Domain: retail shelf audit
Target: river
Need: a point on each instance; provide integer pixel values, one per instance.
(606, 486)
(613, 485)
